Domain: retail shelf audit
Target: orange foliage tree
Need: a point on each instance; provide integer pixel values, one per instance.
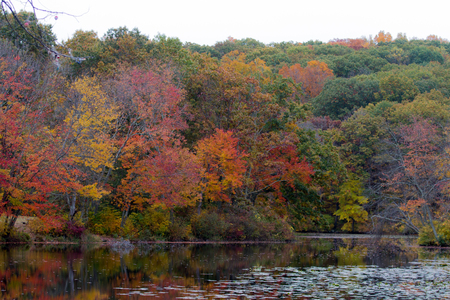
(223, 166)
(312, 77)
(356, 44)
(227, 97)
(169, 176)
(383, 37)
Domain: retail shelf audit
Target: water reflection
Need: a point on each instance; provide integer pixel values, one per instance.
(310, 268)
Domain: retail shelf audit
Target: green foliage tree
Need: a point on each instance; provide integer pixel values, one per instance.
(422, 55)
(341, 96)
(359, 136)
(314, 202)
(25, 31)
(397, 88)
(83, 44)
(357, 64)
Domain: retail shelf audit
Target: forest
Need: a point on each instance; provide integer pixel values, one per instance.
(155, 139)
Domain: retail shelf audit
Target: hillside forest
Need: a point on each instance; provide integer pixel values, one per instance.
(152, 139)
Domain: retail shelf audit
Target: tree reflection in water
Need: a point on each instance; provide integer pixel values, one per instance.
(189, 270)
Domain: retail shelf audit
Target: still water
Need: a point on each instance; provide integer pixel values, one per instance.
(313, 268)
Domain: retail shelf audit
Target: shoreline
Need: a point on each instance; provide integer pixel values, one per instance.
(108, 241)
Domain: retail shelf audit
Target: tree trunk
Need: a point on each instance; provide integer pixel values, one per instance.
(430, 218)
(199, 206)
(124, 216)
(9, 222)
(72, 201)
(172, 218)
(253, 197)
(336, 218)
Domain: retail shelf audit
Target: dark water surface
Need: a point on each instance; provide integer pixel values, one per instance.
(325, 268)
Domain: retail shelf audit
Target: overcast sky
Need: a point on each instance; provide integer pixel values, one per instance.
(209, 21)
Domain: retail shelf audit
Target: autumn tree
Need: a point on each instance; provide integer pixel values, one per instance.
(218, 94)
(312, 78)
(383, 37)
(85, 137)
(169, 177)
(399, 151)
(236, 61)
(147, 135)
(351, 203)
(398, 88)
(355, 44)
(434, 37)
(416, 179)
(30, 162)
(223, 167)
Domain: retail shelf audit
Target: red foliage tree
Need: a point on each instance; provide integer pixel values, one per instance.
(30, 161)
(148, 140)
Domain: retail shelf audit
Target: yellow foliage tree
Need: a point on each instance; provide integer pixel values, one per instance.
(88, 122)
(235, 61)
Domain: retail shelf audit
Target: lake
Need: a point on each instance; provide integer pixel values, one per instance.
(312, 268)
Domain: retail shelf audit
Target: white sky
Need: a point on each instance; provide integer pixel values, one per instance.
(209, 21)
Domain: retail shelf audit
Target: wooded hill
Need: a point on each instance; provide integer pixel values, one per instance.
(156, 139)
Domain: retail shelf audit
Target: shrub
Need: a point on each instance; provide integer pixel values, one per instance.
(17, 237)
(151, 223)
(89, 238)
(74, 229)
(129, 230)
(238, 228)
(57, 227)
(209, 225)
(105, 222)
(240, 224)
(271, 226)
(426, 235)
(180, 231)
(444, 233)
